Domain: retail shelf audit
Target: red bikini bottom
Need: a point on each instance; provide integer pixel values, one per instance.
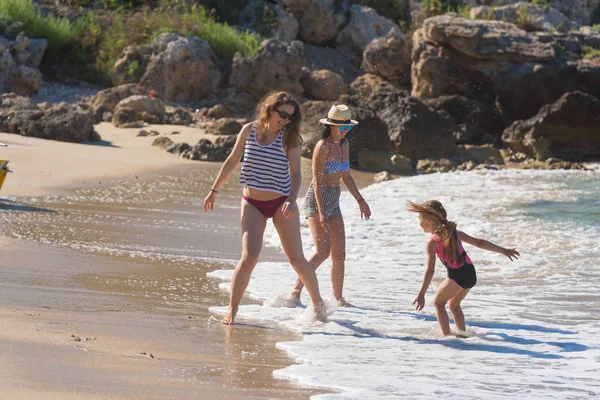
(267, 207)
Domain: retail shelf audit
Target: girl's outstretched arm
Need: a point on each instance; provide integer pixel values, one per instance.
(431, 248)
(486, 245)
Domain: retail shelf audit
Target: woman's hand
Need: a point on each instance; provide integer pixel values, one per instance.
(511, 253)
(420, 301)
(209, 201)
(324, 221)
(289, 207)
(365, 211)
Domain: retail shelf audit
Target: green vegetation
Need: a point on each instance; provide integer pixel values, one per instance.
(59, 32)
(88, 41)
(525, 20)
(596, 28)
(590, 52)
(559, 50)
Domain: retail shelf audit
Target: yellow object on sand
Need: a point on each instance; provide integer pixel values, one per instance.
(3, 171)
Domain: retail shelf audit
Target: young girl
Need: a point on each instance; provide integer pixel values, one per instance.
(330, 165)
(271, 175)
(446, 243)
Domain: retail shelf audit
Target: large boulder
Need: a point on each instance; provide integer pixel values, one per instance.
(582, 12)
(62, 121)
(389, 56)
(365, 25)
(181, 69)
(19, 61)
(106, 100)
(138, 108)
(527, 16)
(131, 64)
(324, 85)
(276, 66)
(567, 129)
(318, 58)
(475, 121)
(319, 22)
(497, 63)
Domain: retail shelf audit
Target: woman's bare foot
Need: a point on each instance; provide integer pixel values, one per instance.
(341, 302)
(292, 300)
(320, 310)
(230, 316)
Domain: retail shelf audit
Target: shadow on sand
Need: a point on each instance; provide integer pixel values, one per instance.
(9, 205)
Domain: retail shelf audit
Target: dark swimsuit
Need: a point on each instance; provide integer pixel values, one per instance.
(462, 273)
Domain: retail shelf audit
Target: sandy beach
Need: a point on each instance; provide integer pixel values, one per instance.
(81, 323)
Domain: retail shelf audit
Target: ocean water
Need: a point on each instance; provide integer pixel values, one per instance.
(533, 323)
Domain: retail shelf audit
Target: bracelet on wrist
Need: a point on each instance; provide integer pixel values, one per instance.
(214, 191)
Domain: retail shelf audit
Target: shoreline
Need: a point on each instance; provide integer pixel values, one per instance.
(73, 306)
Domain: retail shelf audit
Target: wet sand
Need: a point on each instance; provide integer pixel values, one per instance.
(87, 314)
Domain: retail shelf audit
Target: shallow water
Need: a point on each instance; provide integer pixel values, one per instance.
(533, 322)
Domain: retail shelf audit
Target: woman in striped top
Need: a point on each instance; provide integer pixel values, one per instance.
(271, 175)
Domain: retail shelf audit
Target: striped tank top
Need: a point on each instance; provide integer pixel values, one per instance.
(266, 167)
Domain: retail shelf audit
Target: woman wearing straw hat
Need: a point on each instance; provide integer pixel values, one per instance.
(330, 164)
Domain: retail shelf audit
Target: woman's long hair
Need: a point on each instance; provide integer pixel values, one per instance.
(272, 101)
(325, 132)
(435, 212)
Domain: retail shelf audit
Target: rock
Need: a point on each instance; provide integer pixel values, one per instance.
(318, 20)
(131, 64)
(226, 126)
(168, 71)
(581, 12)
(557, 163)
(19, 60)
(29, 52)
(107, 99)
(527, 16)
(324, 85)
(495, 63)
(162, 142)
(153, 133)
(381, 160)
(238, 102)
(219, 111)
(275, 66)
(382, 177)
(270, 20)
(367, 84)
(318, 58)
(473, 118)
(178, 148)
(364, 26)
(568, 129)
(479, 154)
(141, 132)
(177, 116)
(140, 108)
(429, 166)
(63, 122)
(389, 56)
(125, 118)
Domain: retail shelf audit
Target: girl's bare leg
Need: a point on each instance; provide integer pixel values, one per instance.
(253, 227)
(457, 313)
(338, 257)
(322, 250)
(448, 289)
(291, 241)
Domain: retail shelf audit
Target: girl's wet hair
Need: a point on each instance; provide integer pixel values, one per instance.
(435, 212)
(268, 104)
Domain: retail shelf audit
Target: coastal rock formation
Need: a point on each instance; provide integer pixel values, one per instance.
(169, 70)
(389, 57)
(568, 129)
(497, 64)
(62, 121)
(318, 58)
(131, 64)
(319, 22)
(276, 66)
(474, 120)
(106, 100)
(19, 62)
(138, 108)
(381, 160)
(528, 16)
(324, 85)
(365, 25)
(579, 11)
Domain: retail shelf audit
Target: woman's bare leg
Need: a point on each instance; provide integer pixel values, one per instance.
(253, 227)
(291, 241)
(321, 253)
(338, 256)
(448, 289)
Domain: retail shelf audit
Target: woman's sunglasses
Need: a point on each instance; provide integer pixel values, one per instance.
(346, 128)
(284, 115)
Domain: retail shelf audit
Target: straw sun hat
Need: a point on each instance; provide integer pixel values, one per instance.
(339, 115)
